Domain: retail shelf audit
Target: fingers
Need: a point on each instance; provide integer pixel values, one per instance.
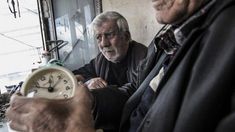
(16, 114)
(96, 83)
(79, 78)
(20, 104)
(101, 83)
(83, 95)
(18, 124)
(20, 113)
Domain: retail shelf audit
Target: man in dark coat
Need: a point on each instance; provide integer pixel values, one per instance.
(196, 93)
(117, 62)
(189, 88)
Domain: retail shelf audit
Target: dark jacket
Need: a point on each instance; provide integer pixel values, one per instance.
(196, 93)
(101, 67)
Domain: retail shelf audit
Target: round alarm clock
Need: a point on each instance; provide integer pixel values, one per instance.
(52, 82)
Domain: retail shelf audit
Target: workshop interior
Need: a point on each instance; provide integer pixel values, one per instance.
(35, 33)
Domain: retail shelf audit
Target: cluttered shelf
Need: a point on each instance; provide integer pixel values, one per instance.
(4, 103)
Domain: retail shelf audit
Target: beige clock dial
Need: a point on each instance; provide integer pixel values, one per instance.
(52, 82)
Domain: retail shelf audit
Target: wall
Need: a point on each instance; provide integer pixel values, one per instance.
(140, 16)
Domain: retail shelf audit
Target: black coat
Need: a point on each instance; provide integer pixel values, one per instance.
(197, 92)
(101, 67)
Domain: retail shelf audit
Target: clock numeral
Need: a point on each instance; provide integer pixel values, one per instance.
(66, 96)
(65, 81)
(43, 78)
(59, 77)
(67, 88)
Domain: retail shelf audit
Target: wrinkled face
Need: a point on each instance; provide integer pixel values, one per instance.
(112, 43)
(175, 11)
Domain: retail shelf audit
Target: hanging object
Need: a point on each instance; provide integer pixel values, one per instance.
(13, 4)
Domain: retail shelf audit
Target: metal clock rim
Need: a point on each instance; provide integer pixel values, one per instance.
(51, 67)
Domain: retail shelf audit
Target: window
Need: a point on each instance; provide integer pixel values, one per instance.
(62, 21)
(72, 20)
(21, 41)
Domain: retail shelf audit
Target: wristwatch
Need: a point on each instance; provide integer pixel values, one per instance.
(52, 82)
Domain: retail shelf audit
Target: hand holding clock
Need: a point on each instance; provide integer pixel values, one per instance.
(41, 114)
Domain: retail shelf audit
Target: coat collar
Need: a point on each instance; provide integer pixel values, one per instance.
(181, 33)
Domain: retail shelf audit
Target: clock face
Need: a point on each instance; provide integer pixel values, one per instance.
(52, 82)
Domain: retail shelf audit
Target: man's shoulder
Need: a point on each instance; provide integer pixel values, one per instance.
(138, 50)
(136, 44)
(138, 47)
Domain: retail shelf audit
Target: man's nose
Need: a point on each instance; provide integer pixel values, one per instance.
(104, 41)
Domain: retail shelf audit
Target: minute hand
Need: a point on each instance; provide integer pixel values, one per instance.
(57, 82)
(50, 80)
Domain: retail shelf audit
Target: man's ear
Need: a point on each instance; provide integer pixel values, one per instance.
(127, 35)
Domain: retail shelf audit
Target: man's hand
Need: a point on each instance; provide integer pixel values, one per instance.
(79, 78)
(44, 115)
(96, 83)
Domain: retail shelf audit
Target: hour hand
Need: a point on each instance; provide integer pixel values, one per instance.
(37, 86)
(50, 80)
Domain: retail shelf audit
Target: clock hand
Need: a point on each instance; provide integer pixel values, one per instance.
(59, 78)
(41, 87)
(50, 88)
(50, 80)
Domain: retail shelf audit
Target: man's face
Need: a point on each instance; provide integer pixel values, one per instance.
(175, 11)
(112, 43)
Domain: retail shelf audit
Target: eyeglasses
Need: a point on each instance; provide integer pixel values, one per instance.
(107, 35)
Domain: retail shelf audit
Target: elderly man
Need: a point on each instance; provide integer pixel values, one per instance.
(190, 87)
(119, 57)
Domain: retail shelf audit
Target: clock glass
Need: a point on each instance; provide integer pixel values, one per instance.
(51, 82)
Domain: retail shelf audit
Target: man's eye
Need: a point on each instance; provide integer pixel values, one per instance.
(98, 37)
(110, 35)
